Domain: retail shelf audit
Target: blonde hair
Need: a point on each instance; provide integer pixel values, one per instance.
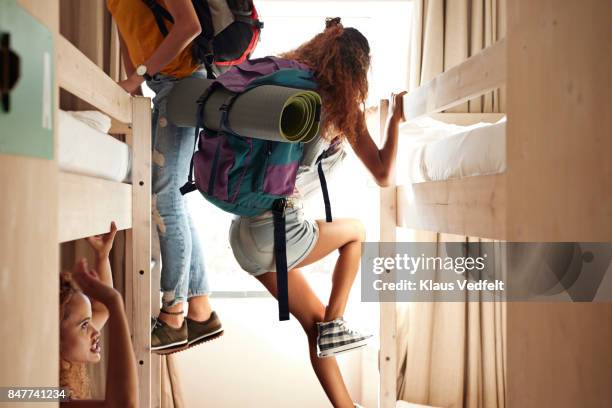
(72, 376)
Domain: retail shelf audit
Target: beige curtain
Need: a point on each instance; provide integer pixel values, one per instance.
(452, 354)
(446, 32)
(171, 394)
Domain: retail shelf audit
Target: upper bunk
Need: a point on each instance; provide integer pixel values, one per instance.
(94, 186)
(456, 200)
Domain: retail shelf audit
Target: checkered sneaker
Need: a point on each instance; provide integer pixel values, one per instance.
(335, 337)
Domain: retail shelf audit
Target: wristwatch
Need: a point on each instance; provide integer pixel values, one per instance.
(142, 71)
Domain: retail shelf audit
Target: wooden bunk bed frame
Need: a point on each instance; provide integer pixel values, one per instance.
(87, 205)
(470, 206)
(557, 187)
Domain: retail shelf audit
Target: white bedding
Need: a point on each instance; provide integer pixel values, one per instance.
(85, 147)
(431, 150)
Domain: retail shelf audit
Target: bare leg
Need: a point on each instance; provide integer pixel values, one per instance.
(309, 310)
(346, 235)
(199, 308)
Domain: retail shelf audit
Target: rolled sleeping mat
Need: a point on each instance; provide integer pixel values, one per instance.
(182, 101)
(268, 112)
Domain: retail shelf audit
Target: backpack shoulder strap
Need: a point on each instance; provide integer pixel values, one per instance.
(280, 257)
(160, 13)
(333, 146)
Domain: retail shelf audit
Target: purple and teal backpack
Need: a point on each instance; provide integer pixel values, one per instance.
(247, 176)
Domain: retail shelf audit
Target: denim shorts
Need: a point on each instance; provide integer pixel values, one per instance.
(252, 240)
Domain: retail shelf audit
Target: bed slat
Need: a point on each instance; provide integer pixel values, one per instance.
(476, 76)
(87, 206)
(471, 206)
(78, 75)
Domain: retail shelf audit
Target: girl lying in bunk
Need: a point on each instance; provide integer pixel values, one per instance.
(84, 310)
(340, 59)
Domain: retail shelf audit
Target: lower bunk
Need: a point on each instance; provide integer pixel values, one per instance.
(94, 176)
(105, 176)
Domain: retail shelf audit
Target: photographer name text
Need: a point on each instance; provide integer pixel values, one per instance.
(428, 285)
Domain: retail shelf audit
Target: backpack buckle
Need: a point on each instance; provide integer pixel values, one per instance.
(188, 188)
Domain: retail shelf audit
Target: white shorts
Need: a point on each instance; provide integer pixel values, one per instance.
(252, 240)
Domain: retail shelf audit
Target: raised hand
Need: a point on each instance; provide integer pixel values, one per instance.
(131, 85)
(90, 284)
(102, 244)
(396, 106)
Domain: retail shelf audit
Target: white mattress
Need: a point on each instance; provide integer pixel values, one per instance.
(86, 148)
(431, 150)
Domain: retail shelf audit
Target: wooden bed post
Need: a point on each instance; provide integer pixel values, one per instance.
(138, 243)
(387, 358)
(557, 187)
(87, 204)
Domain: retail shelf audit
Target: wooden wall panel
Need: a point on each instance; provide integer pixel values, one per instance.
(560, 123)
(29, 258)
(559, 355)
(560, 120)
(29, 276)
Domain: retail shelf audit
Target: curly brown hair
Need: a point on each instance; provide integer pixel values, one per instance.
(340, 60)
(72, 376)
(67, 289)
